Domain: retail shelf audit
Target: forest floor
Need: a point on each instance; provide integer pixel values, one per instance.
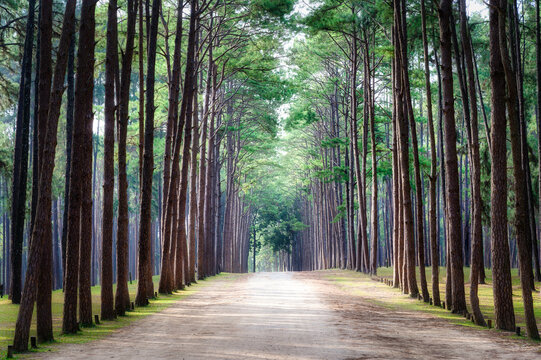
(8, 315)
(315, 315)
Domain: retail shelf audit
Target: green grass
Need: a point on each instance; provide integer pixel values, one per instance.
(8, 315)
(388, 297)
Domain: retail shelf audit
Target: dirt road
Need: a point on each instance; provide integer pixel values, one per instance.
(291, 316)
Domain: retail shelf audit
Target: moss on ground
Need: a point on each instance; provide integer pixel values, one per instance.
(383, 295)
(8, 315)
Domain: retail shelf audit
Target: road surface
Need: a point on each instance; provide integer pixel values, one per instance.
(291, 316)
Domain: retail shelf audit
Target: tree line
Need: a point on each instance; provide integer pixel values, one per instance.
(414, 126)
(142, 190)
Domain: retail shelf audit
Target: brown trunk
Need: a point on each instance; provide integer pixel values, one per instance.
(111, 62)
(432, 218)
(122, 296)
(502, 289)
(355, 136)
(85, 70)
(69, 134)
(451, 164)
(192, 216)
(202, 256)
(402, 127)
(374, 210)
(168, 247)
(20, 162)
(43, 300)
(520, 184)
(141, 53)
(473, 138)
(145, 288)
(185, 121)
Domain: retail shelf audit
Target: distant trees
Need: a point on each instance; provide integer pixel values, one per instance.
(410, 177)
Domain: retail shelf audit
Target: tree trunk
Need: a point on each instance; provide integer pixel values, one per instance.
(202, 257)
(141, 53)
(477, 205)
(402, 127)
(145, 288)
(451, 165)
(185, 121)
(122, 296)
(432, 218)
(20, 162)
(69, 135)
(502, 289)
(168, 249)
(85, 72)
(520, 184)
(111, 62)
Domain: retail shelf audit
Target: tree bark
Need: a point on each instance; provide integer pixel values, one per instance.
(501, 273)
(111, 62)
(170, 173)
(185, 121)
(122, 296)
(20, 161)
(451, 164)
(520, 184)
(432, 218)
(85, 72)
(145, 288)
(477, 205)
(69, 135)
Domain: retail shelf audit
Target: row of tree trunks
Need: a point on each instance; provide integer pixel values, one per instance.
(408, 279)
(456, 279)
(40, 253)
(145, 287)
(170, 173)
(122, 296)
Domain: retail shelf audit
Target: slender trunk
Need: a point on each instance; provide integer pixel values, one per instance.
(169, 246)
(402, 127)
(20, 161)
(141, 53)
(69, 135)
(202, 256)
(521, 202)
(433, 170)
(192, 216)
(85, 71)
(145, 288)
(451, 165)
(111, 62)
(473, 138)
(502, 289)
(185, 121)
(122, 296)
